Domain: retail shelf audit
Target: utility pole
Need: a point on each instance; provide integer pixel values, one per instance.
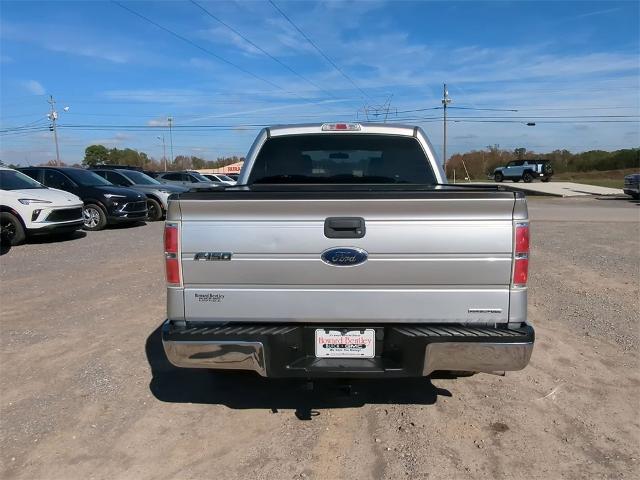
(170, 120)
(445, 101)
(53, 116)
(164, 152)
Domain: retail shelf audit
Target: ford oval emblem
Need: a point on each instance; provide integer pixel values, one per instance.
(344, 257)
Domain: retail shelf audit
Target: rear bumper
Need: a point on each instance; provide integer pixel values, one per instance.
(287, 350)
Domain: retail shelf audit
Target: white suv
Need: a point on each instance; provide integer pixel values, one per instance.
(28, 207)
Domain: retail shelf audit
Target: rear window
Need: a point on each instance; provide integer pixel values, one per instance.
(342, 158)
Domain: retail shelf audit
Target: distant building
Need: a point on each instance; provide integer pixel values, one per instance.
(233, 168)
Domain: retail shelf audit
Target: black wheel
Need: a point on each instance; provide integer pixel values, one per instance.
(94, 217)
(516, 180)
(11, 229)
(154, 210)
(527, 177)
(545, 179)
(498, 177)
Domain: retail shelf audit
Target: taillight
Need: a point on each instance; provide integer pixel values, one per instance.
(172, 263)
(521, 258)
(337, 127)
(170, 239)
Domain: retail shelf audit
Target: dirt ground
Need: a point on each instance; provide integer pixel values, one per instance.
(86, 392)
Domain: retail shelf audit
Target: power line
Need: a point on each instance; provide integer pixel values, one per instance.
(312, 43)
(259, 48)
(203, 49)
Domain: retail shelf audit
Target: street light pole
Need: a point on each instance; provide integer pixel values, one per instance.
(53, 116)
(164, 152)
(170, 120)
(445, 101)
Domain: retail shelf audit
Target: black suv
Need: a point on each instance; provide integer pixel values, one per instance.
(103, 202)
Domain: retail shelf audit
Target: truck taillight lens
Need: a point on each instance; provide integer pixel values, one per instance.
(172, 263)
(170, 239)
(520, 272)
(521, 259)
(172, 267)
(522, 239)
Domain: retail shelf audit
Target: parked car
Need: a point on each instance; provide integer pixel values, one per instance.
(29, 208)
(233, 176)
(219, 178)
(632, 185)
(151, 173)
(525, 170)
(157, 193)
(104, 203)
(188, 179)
(346, 254)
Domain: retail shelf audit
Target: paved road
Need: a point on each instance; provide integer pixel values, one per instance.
(560, 189)
(87, 392)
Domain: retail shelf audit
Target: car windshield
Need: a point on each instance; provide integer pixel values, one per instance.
(86, 178)
(342, 158)
(224, 178)
(200, 177)
(12, 180)
(140, 178)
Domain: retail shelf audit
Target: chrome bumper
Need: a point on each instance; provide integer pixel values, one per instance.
(222, 355)
(287, 350)
(476, 357)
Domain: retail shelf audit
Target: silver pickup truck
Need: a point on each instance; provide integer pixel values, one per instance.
(343, 252)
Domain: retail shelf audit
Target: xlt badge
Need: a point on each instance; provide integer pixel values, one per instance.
(213, 256)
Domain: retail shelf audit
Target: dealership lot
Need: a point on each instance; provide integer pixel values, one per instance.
(87, 392)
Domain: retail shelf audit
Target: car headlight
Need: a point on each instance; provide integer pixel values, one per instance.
(29, 201)
(113, 195)
(165, 191)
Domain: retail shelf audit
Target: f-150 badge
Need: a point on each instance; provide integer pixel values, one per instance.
(344, 257)
(213, 256)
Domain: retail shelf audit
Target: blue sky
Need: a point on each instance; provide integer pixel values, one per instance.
(567, 66)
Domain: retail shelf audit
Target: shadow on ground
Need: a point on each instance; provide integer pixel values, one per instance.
(56, 237)
(5, 246)
(620, 198)
(125, 225)
(247, 390)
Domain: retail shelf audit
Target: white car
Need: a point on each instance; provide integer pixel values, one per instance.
(28, 207)
(219, 178)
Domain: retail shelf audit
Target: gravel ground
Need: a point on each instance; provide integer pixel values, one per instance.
(87, 392)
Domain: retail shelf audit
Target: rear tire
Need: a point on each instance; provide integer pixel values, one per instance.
(527, 177)
(155, 210)
(94, 217)
(11, 229)
(498, 177)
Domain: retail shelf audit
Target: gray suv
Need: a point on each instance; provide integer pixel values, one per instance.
(157, 193)
(525, 170)
(188, 179)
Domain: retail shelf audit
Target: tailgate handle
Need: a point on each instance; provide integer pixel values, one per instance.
(344, 227)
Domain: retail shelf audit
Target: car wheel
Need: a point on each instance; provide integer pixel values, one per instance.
(94, 218)
(498, 177)
(11, 229)
(545, 179)
(527, 177)
(154, 210)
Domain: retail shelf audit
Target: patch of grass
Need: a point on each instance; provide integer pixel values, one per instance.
(607, 178)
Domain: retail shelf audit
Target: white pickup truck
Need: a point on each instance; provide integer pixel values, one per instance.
(342, 252)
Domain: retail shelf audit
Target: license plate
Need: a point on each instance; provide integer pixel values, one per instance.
(345, 344)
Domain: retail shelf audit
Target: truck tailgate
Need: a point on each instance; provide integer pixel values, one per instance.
(432, 257)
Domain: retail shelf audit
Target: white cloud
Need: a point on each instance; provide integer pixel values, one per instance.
(34, 87)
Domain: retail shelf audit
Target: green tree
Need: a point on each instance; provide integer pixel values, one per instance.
(95, 154)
